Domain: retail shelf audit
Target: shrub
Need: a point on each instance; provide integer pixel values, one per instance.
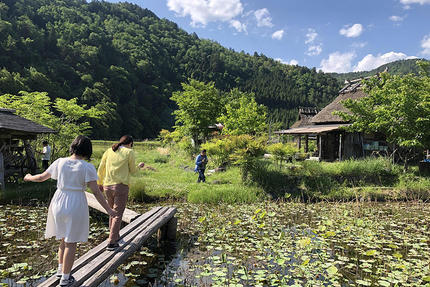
(248, 150)
(167, 137)
(219, 151)
(283, 152)
(186, 145)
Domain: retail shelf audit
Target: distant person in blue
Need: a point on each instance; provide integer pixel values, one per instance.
(201, 161)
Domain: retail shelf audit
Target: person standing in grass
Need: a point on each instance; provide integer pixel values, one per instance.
(201, 161)
(46, 155)
(117, 163)
(68, 217)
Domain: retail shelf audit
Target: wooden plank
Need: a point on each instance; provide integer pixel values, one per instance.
(52, 281)
(128, 215)
(98, 262)
(109, 267)
(1, 171)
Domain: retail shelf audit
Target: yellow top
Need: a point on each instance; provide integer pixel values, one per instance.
(116, 167)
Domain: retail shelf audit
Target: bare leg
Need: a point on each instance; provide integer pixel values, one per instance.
(68, 257)
(61, 251)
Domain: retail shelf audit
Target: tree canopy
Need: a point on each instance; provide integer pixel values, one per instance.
(243, 115)
(64, 116)
(396, 106)
(199, 105)
(129, 62)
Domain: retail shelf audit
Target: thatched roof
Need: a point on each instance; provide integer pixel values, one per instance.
(312, 129)
(12, 123)
(352, 90)
(305, 116)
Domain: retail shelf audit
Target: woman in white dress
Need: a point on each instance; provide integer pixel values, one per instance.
(68, 218)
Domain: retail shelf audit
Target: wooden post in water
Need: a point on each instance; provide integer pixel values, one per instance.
(168, 231)
(1, 172)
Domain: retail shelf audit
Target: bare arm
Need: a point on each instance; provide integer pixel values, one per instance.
(100, 198)
(38, 177)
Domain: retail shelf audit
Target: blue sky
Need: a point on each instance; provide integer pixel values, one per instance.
(331, 35)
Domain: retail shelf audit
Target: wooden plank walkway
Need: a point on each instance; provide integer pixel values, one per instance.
(97, 264)
(128, 215)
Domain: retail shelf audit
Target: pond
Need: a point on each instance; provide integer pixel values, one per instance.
(264, 244)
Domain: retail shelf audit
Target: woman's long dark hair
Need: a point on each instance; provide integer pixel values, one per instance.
(123, 141)
(81, 146)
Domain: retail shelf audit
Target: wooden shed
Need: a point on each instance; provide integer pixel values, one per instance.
(16, 154)
(333, 141)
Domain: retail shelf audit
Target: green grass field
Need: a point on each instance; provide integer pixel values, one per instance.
(169, 176)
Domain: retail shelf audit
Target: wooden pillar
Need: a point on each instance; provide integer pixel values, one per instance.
(306, 143)
(319, 147)
(1, 172)
(340, 146)
(300, 142)
(168, 231)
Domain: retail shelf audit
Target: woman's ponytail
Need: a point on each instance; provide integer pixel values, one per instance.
(123, 141)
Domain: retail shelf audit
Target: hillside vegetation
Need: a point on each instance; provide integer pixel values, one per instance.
(128, 61)
(401, 67)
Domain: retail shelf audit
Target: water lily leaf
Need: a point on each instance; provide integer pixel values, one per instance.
(201, 219)
(397, 255)
(384, 283)
(363, 282)
(371, 252)
(332, 270)
(304, 242)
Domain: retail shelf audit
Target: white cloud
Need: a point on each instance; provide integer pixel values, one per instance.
(370, 62)
(337, 62)
(291, 62)
(278, 35)
(408, 2)
(240, 27)
(263, 18)
(352, 31)
(395, 18)
(204, 11)
(311, 36)
(359, 45)
(425, 44)
(314, 50)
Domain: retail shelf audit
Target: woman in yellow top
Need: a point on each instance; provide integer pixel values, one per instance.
(114, 172)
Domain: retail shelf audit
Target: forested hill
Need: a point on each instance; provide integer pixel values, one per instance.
(401, 67)
(104, 53)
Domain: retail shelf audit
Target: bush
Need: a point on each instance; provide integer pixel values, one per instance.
(283, 152)
(167, 137)
(219, 151)
(186, 146)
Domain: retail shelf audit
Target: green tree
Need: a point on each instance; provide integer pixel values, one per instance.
(199, 105)
(66, 117)
(243, 115)
(397, 106)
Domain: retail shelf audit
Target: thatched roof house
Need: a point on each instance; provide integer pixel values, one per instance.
(12, 125)
(352, 90)
(334, 143)
(305, 116)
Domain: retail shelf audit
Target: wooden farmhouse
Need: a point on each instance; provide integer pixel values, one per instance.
(332, 141)
(16, 154)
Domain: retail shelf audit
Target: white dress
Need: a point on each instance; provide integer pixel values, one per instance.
(68, 212)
